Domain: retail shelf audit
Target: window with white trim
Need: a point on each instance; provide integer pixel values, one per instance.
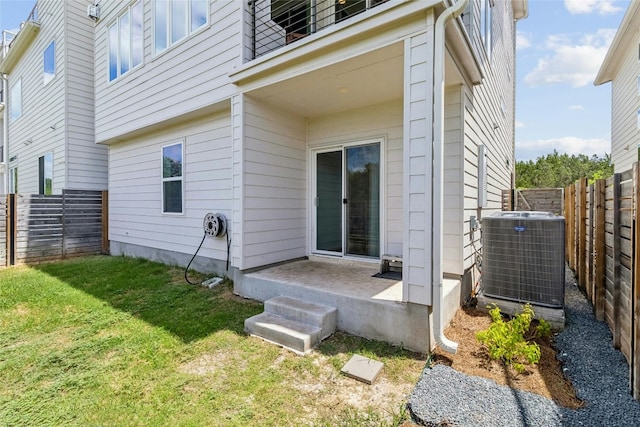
(126, 41)
(49, 68)
(45, 174)
(486, 15)
(15, 100)
(172, 174)
(174, 20)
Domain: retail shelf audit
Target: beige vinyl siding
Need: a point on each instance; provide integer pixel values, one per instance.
(135, 192)
(86, 164)
(274, 185)
(183, 79)
(625, 104)
(365, 124)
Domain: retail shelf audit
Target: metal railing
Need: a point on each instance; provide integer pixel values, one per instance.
(277, 23)
(8, 37)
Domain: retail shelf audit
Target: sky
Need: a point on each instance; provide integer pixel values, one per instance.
(560, 47)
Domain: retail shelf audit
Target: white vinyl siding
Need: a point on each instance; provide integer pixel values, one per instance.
(15, 100)
(135, 191)
(179, 82)
(625, 112)
(58, 117)
(382, 121)
(274, 186)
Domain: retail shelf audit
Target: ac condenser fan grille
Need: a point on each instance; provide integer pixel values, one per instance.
(523, 257)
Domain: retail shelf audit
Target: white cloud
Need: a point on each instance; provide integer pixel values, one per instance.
(602, 7)
(576, 107)
(520, 124)
(531, 150)
(572, 62)
(522, 40)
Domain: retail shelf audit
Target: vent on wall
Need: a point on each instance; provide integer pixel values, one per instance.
(523, 257)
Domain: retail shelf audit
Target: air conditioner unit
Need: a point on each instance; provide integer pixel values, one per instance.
(93, 11)
(523, 257)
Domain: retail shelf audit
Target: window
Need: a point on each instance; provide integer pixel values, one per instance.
(172, 173)
(50, 62)
(125, 41)
(45, 174)
(486, 15)
(13, 180)
(15, 100)
(176, 19)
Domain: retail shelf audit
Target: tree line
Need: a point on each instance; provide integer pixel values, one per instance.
(560, 170)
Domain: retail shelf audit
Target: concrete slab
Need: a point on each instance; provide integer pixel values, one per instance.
(297, 337)
(362, 369)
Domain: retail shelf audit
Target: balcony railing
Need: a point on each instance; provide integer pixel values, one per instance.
(8, 37)
(277, 23)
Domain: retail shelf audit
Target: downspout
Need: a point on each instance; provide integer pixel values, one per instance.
(437, 277)
(5, 136)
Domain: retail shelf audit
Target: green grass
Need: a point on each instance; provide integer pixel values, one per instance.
(114, 341)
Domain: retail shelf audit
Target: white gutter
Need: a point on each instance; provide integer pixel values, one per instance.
(5, 136)
(437, 277)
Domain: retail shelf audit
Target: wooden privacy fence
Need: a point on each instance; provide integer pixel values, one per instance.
(534, 199)
(36, 228)
(603, 249)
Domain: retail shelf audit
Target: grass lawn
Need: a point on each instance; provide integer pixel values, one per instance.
(114, 341)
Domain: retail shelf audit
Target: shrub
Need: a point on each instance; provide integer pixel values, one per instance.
(510, 341)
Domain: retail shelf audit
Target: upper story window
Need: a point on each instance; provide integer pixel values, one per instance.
(125, 41)
(50, 62)
(172, 173)
(15, 100)
(176, 19)
(486, 18)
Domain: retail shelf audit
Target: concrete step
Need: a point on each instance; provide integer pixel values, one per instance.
(317, 315)
(296, 336)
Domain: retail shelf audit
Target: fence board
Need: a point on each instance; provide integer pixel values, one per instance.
(3, 231)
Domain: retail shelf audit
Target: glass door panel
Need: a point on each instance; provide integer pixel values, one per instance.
(363, 200)
(329, 201)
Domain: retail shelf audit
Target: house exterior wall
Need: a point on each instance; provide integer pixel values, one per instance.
(371, 122)
(625, 104)
(489, 117)
(274, 214)
(181, 80)
(57, 116)
(136, 220)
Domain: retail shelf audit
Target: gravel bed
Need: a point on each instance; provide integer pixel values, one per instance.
(599, 373)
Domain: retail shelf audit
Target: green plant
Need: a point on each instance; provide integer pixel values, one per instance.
(510, 341)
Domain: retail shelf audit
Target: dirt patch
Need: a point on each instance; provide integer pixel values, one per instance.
(546, 378)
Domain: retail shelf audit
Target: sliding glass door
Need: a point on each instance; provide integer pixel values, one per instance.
(347, 201)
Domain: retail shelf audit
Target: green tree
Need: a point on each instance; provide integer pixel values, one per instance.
(560, 170)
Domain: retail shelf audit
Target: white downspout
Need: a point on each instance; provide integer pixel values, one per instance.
(437, 277)
(5, 136)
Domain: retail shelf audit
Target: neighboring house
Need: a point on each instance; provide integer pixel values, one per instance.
(621, 67)
(48, 136)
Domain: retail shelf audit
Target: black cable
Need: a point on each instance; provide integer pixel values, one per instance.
(192, 258)
(228, 251)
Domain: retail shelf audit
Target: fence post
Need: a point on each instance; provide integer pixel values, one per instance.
(616, 260)
(600, 249)
(590, 257)
(634, 365)
(105, 222)
(581, 231)
(12, 232)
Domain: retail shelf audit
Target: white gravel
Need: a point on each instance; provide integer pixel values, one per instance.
(599, 373)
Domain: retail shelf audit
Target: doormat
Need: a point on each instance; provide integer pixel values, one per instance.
(391, 275)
